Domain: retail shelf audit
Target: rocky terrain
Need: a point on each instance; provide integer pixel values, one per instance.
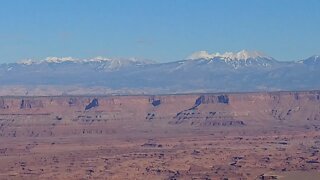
(188, 136)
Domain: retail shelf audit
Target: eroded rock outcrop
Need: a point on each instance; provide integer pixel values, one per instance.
(3, 105)
(31, 103)
(155, 101)
(92, 104)
(211, 99)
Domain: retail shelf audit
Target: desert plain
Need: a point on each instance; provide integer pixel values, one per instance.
(263, 135)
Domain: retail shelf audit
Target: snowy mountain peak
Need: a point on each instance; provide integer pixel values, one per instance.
(59, 59)
(100, 59)
(313, 60)
(241, 55)
(26, 62)
(315, 57)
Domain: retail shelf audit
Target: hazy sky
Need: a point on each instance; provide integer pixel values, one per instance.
(162, 30)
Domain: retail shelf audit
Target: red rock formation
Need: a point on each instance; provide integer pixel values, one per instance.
(208, 110)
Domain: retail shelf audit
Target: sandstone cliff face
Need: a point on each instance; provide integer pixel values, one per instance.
(54, 116)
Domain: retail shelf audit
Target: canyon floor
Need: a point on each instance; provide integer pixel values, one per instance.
(272, 135)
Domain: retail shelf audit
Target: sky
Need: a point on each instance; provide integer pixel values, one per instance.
(160, 30)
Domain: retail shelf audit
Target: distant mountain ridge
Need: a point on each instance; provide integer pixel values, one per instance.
(200, 72)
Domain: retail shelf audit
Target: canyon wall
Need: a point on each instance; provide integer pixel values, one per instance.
(62, 115)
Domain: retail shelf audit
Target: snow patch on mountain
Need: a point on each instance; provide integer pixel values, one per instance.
(241, 55)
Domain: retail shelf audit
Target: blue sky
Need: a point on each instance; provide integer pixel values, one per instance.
(161, 30)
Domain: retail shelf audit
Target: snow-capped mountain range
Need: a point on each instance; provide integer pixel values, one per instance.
(237, 60)
(200, 72)
(113, 63)
(242, 55)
